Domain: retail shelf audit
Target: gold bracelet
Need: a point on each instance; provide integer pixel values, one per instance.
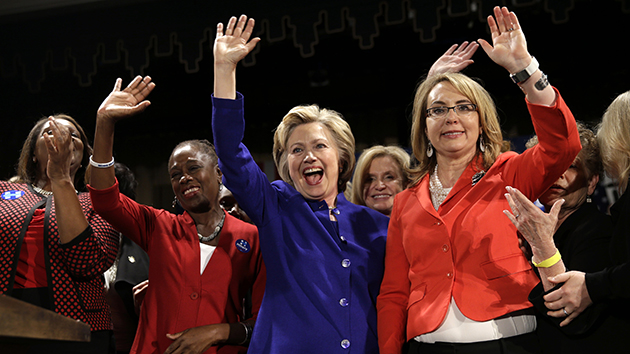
(549, 261)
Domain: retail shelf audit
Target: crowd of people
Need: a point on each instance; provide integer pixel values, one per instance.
(440, 250)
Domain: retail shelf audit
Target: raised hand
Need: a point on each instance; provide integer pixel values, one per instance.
(455, 59)
(230, 48)
(128, 102)
(509, 48)
(234, 44)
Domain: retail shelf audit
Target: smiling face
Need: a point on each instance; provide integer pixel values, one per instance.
(195, 179)
(382, 183)
(574, 186)
(40, 153)
(313, 162)
(455, 135)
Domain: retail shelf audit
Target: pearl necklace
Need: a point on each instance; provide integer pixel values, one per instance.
(41, 191)
(216, 232)
(438, 192)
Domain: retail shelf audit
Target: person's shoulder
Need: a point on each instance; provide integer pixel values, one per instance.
(6, 185)
(240, 226)
(504, 157)
(365, 212)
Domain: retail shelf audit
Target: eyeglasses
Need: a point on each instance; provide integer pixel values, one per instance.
(460, 110)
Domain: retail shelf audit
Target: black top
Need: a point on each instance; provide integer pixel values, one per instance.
(583, 240)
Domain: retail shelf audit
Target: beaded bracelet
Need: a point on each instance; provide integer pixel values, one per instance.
(102, 165)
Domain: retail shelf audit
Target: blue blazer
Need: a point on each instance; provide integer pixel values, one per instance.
(323, 277)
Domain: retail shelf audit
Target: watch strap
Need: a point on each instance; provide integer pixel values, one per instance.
(524, 74)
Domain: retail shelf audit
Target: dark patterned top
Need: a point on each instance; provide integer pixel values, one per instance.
(74, 270)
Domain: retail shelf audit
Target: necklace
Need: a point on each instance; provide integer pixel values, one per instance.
(438, 192)
(41, 191)
(216, 232)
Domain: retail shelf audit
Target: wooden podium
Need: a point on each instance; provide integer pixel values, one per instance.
(23, 324)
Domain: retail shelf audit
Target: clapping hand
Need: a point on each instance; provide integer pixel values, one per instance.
(61, 152)
(128, 102)
(455, 59)
(509, 48)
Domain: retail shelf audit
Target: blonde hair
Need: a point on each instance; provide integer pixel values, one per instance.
(614, 139)
(331, 120)
(488, 121)
(400, 156)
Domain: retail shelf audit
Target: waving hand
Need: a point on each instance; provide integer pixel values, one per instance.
(509, 48)
(230, 47)
(128, 102)
(455, 59)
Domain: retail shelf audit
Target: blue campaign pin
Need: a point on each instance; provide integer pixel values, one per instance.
(242, 245)
(12, 195)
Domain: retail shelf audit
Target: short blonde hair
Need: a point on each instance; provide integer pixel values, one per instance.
(614, 139)
(400, 156)
(488, 121)
(338, 128)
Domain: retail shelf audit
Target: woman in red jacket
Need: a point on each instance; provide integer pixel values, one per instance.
(454, 274)
(203, 261)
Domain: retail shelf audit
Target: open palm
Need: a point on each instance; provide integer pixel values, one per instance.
(128, 102)
(233, 45)
(509, 47)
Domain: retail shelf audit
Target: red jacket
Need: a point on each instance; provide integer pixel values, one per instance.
(468, 249)
(74, 270)
(179, 297)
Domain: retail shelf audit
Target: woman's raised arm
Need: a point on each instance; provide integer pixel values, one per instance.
(230, 48)
(118, 105)
(509, 49)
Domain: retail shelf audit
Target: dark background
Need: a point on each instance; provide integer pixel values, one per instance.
(361, 58)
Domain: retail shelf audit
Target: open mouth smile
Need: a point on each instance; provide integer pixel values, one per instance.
(190, 191)
(313, 175)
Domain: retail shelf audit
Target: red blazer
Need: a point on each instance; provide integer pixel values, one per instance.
(179, 297)
(468, 249)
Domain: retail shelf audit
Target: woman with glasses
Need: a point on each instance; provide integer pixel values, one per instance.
(455, 278)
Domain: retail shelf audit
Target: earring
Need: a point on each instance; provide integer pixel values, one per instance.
(175, 202)
(482, 147)
(588, 199)
(429, 150)
(220, 186)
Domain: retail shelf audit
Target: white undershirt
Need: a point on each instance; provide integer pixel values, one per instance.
(206, 254)
(458, 328)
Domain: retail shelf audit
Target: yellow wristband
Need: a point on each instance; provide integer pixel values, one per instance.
(549, 261)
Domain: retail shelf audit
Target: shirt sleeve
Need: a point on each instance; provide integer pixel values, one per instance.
(94, 250)
(241, 174)
(392, 300)
(536, 169)
(134, 220)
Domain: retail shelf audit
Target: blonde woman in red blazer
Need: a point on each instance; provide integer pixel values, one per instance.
(455, 278)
